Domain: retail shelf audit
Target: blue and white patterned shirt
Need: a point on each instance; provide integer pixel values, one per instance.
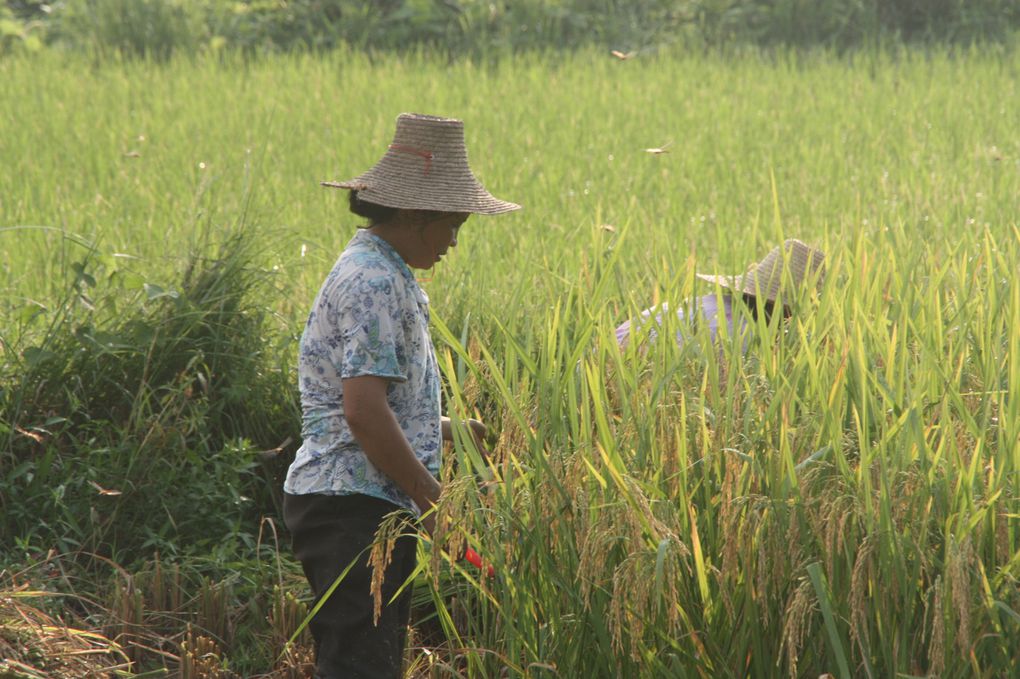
(370, 318)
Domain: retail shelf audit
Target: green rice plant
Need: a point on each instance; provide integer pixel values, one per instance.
(840, 498)
(816, 480)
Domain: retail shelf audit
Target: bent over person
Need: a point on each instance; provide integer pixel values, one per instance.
(370, 393)
(775, 280)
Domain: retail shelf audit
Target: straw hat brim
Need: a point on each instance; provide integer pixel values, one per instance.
(734, 283)
(731, 282)
(742, 285)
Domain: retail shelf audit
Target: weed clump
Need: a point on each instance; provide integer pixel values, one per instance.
(133, 423)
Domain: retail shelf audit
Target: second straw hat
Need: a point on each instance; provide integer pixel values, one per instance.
(426, 168)
(777, 272)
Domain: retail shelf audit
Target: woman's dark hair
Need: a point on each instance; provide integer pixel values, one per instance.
(373, 212)
(379, 214)
(767, 307)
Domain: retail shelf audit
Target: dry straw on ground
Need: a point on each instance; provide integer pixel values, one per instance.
(33, 645)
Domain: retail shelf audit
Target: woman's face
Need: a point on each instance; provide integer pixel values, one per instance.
(438, 234)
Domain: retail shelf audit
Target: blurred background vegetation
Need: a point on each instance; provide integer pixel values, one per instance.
(158, 28)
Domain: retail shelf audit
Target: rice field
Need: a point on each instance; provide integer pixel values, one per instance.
(843, 499)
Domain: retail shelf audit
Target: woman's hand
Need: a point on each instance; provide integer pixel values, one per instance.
(479, 431)
(477, 428)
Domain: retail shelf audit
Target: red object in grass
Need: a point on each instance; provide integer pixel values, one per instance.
(473, 558)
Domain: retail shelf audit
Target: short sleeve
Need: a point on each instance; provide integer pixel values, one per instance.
(372, 338)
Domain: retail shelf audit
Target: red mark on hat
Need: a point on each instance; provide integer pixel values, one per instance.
(427, 155)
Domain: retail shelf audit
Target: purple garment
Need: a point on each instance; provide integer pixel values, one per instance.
(710, 312)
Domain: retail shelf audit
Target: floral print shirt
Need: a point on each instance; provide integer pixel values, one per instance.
(370, 318)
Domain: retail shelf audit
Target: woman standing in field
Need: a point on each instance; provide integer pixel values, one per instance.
(776, 279)
(370, 393)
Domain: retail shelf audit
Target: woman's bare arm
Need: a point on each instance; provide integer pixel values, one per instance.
(376, 429)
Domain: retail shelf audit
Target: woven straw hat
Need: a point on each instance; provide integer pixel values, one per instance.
(426, 168)
(783, 271)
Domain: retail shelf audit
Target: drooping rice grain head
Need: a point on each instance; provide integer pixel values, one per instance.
(452, 513)
(380, 556)
(800, 608)
(960, 571)
(862, 590)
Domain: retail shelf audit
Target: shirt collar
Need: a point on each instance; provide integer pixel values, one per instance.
(382, 246)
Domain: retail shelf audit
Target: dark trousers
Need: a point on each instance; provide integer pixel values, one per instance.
(328, 533)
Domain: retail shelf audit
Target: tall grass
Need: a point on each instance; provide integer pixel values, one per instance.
(843, 499)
